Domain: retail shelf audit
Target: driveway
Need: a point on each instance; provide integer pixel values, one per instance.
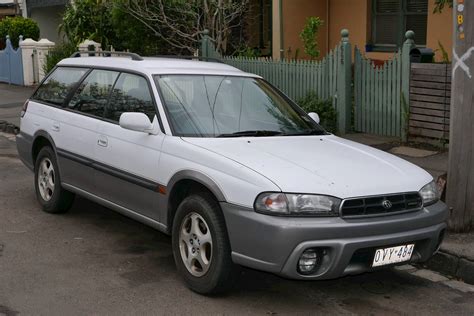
(95, 261)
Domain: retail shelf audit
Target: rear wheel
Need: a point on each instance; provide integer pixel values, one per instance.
(201, 246)
(52, 197)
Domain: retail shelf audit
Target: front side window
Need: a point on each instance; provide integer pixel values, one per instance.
(392, 18)
(93, 94)
(59, 84)
(227, 106)
(130, 94)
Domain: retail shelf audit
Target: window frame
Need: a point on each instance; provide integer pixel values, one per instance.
(401, 20)
(81, 80)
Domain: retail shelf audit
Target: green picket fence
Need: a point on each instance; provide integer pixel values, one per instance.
(377, 96)
(378, 92)
(296, 78)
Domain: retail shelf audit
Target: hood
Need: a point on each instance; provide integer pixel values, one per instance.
(320, 164)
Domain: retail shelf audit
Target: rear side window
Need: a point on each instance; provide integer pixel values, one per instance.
(131, 94)
(93, 94)
(57, 86)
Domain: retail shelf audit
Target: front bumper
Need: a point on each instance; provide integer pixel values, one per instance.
(275, 244)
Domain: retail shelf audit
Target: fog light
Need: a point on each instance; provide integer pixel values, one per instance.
(308, 261)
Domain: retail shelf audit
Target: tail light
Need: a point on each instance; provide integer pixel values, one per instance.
(24, 108)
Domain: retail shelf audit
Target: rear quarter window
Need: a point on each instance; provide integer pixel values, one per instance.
(59, 84)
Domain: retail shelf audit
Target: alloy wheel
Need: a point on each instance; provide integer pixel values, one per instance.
(195, 244)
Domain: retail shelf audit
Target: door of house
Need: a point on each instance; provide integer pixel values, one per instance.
(11, 65)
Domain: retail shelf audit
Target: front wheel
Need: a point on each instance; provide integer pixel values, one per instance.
(201, 247)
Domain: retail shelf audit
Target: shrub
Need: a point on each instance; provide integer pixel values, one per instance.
(324, 108)
(59, 52)
(18, 26)
(309, 36)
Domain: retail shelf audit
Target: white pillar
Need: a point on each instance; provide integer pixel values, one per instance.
(28, 47)
(87, 44)
(43, 47)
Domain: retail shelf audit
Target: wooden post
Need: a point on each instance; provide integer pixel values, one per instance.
(460, 189)
(408, 45)
(344, 89)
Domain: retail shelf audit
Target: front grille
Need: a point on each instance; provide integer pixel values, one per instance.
(378, 205)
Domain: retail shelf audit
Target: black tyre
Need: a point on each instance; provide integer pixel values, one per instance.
(52, 197)
(201, 247)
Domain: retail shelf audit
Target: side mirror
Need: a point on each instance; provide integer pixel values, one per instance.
(314, 116)
(136, 121)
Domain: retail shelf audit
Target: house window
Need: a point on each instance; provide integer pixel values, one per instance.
(392, 18)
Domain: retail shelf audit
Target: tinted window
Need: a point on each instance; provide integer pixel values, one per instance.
(93, 94)
(130, 94)
(56, 87)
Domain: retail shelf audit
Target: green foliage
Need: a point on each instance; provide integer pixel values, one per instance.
(131, 34)
(58, 53)
(17, 26)
(309, 36)
(444, 54)
(324, 108)
(440, 4)
(107, 23)
(88, 19)
(247, 51)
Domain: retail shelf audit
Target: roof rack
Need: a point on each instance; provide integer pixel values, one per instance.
(107, 54)
(190, 57)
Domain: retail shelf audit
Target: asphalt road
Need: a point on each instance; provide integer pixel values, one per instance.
(92, 261)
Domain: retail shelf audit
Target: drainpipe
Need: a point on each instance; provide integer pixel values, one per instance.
(282, 49)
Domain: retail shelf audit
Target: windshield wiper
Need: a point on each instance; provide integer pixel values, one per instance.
(256, 133)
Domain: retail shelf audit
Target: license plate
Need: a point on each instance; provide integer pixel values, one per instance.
(392, 255)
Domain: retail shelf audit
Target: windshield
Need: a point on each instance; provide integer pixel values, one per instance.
(227, 106)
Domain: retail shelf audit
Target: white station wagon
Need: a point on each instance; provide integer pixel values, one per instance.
(227, 165)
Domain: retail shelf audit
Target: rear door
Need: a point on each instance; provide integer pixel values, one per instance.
(127, 168)
(73, 134)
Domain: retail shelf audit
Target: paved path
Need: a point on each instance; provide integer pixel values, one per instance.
(95, 261)
(11, 100)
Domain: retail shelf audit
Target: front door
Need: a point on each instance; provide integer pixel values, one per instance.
(127, 161)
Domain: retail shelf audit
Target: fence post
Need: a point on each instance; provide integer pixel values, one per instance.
(344, 89)
(405, 79)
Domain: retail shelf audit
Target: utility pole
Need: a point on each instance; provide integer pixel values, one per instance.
(460, 189)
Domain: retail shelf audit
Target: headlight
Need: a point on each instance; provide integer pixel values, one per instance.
(297, 204)
(429, 193)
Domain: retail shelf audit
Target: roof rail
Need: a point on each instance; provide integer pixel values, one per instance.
(107, 54)
(214, 59)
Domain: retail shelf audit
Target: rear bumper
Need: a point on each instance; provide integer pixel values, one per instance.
(24, 145)
(275, 244)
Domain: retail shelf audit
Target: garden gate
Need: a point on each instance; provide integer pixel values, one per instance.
(11, 64)
(381, 93)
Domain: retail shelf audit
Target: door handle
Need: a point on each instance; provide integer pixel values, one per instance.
(56, 127)
(102, 141)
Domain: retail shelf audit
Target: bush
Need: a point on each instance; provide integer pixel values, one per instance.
(58, 53)
(18, 26)
(324, 108)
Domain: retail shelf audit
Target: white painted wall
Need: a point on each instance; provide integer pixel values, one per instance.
(48, 20)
